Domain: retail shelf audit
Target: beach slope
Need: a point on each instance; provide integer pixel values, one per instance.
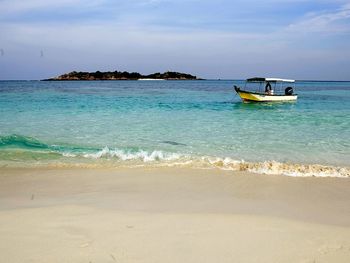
(171, 215)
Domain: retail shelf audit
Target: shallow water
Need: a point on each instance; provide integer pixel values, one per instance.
(201, 123)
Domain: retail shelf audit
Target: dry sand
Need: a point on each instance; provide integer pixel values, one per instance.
(171, 215)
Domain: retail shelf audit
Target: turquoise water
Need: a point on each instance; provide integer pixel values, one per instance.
(200, 123)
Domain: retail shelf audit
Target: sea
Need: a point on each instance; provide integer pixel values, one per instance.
(197, 124)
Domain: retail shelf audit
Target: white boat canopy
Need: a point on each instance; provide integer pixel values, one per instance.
(270, 80)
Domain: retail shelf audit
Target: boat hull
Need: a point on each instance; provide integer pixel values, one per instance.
(247, 96)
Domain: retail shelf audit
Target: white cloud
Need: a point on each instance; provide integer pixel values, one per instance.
(327, 22)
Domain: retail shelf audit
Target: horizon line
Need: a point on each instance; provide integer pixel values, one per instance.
(200, 79)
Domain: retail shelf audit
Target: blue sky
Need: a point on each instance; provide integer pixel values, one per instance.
(212, 39)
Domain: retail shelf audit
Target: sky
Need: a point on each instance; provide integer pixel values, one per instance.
(226, 39)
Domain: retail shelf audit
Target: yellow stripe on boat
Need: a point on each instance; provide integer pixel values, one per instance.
(247, 96)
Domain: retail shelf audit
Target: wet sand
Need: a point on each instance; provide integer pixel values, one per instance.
(171, 215)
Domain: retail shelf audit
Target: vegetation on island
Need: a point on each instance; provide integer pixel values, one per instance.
(118, 75)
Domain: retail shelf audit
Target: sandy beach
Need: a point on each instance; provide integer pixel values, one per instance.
(171, 215)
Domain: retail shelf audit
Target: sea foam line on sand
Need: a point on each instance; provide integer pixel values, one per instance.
(268, 167)
(117, 157)
(152, 161)
(275, 168)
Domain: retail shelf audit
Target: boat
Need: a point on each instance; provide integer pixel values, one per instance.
(267, 90)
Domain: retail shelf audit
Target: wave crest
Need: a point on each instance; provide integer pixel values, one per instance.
(127, 155)
(15, 140)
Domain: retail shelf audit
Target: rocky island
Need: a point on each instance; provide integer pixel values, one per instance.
(118, 75)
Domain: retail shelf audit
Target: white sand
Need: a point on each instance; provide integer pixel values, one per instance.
(171, 215)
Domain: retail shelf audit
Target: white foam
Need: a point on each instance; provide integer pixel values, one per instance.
(160, 158)
(126, 155)
(67, 154)
(276, 168)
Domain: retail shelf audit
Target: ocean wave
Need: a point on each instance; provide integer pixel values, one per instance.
(127, 155)
(21, 150)
(20, 141)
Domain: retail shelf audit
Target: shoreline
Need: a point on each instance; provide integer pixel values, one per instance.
(109, 159)
(171, 215)
(23, 151)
